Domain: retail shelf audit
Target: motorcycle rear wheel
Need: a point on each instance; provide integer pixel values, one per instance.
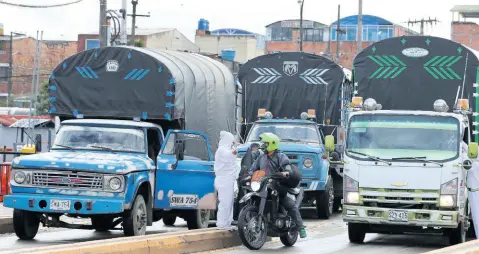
(247, 213)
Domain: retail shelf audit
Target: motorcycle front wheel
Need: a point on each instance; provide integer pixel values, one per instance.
(252, 234)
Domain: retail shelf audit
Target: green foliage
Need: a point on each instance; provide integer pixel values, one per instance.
(43, 99)
(139, 43)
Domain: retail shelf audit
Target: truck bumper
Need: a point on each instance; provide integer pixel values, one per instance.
(78, 204)
(416, 218)
(312, 185)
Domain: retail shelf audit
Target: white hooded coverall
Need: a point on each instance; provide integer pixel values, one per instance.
(473, 193)
(226, 174)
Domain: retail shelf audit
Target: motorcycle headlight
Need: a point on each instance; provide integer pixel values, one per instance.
(115, 183)
(308, 162)
(19, 177)
(255, 186)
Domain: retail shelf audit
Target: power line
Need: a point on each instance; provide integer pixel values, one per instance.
(39, 6)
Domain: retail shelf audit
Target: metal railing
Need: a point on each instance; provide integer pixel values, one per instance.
(5, 169)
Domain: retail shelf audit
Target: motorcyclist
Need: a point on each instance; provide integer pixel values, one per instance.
(274, 161)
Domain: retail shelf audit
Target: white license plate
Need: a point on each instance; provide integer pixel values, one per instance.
(184, 200)
(397, 216)
(60, 205)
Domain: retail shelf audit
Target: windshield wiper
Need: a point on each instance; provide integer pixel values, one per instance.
(104, 148)
(423, 159)
(291, 139)
(371, 157)
(67, 147)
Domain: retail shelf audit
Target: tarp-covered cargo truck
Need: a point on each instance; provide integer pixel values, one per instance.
(406, 161)
(115, 165)
(298, 96)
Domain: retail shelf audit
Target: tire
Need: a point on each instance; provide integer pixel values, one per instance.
(325, 201)
(102, 223)
(242, 226)
(169, 220)
(356, 232)
(457, 235)
(25, 224)
(198, 219)
(135, 222)
(337, 205)
(289, 239)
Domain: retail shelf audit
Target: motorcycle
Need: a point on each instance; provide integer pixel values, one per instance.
(263, 214)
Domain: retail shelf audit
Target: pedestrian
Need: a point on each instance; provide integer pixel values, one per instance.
(473, 193)
(226, 171)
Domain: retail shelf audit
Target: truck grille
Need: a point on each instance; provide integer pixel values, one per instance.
(67, 180)
(395, 198)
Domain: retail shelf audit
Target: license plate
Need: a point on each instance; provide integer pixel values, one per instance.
(60, 205)
(398, 216)
(184, 200)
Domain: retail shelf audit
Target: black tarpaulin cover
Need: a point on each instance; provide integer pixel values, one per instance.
(290, 83)
(411, 72)
(127, 82)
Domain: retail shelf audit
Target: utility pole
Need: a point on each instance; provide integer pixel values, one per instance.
(10, 68)
(301, 2)
(422, 22)
(360, 26)
(339, 31)
(123, 33)
(133, 21)
(103, 26)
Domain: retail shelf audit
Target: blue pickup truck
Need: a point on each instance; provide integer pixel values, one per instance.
(126, 174)
(299, 97)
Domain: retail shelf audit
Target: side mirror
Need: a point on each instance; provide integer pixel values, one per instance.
(179, 151)
(38, 142)
(472, 150)
(329, 143)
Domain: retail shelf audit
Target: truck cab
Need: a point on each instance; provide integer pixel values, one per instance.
(113, 172)
(405, 171)
(304, 144)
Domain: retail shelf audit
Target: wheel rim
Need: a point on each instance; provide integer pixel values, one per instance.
(253, 232)
(331, 200)
(140, 218)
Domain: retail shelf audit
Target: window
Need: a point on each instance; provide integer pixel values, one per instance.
(3, 74)
(92, 43)
(301, 133)
(194, 146)
(351, 33)
(281, 34)
(312, 35)
(372, 33)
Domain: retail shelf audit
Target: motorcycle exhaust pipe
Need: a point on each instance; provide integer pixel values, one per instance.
(299, 199)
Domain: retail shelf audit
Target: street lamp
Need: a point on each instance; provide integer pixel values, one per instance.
(301, 4)
(10, 66)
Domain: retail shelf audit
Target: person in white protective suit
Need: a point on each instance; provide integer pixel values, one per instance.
(473, 193)
(226, 171)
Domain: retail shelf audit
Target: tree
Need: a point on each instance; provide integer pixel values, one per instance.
(43, 105)
(140, 44)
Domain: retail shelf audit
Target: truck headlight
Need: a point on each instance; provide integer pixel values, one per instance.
(307, 162)
(350, 184)
(352, 197)
(448, 194)
(19, 177)
(115, 183)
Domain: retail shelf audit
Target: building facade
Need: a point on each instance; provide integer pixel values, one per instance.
(321, 39)
(463, 28)
(245, 44)
(157, 38)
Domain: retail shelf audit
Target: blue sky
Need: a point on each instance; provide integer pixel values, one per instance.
(253, 15)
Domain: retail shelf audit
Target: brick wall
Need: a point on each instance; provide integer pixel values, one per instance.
(466, 33)
(52, 54)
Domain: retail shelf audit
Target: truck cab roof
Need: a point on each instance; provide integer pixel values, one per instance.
(409, 112)
(300, 121)
(108, 122)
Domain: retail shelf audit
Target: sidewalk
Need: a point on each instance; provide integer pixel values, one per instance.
(5, 212)
(6, 224)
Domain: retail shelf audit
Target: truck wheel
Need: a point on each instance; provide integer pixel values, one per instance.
(198, 219)
(25, 224)
(169, 220)
(457, 235)
(135, 223)
(356, 232)
(102, 223)
(325, 201)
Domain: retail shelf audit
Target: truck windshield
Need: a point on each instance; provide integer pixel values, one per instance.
(287, 132)
(393, 136)
(98, 138)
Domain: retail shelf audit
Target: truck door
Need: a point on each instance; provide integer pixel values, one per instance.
(185, 176)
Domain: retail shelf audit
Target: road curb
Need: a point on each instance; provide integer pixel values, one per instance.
(6, 225)
(471, 247)
(171, 243)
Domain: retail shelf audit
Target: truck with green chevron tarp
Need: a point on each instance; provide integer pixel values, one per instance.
(411, 141)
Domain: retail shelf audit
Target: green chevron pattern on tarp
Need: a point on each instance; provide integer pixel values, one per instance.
(440, 67)
(389, 66)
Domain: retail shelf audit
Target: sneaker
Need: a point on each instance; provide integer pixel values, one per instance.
(302, 232)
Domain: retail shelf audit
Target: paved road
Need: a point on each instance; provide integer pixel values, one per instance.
(331, 237)
(5, 212)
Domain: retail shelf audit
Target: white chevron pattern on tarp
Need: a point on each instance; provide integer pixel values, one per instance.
(314, 76)
(266, 75)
